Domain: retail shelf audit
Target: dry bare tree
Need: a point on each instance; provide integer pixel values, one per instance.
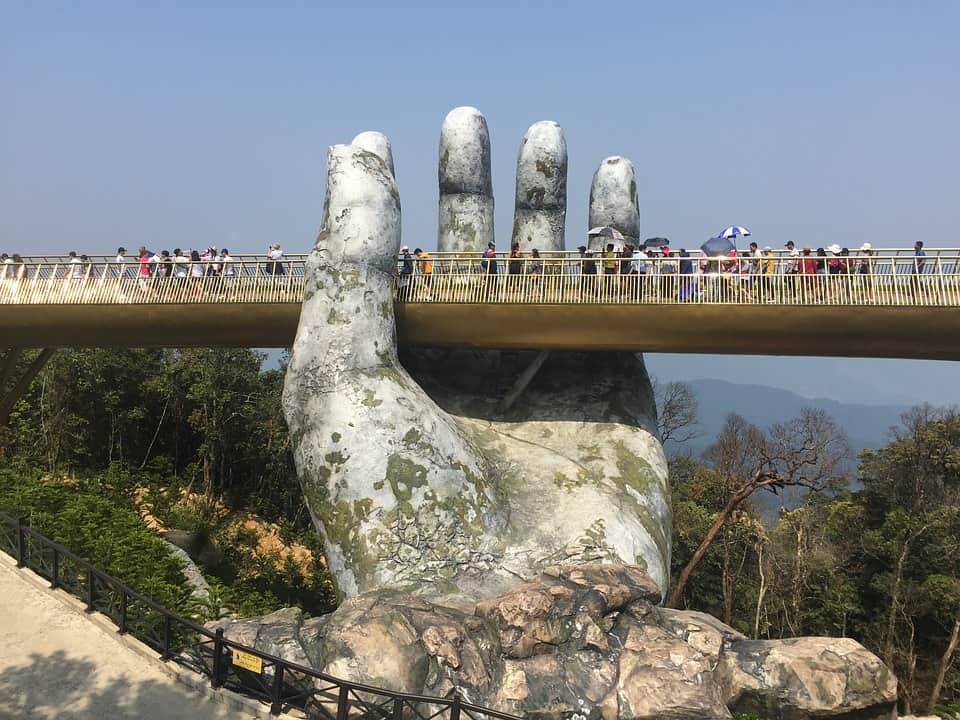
(676, 411)
(810, 452)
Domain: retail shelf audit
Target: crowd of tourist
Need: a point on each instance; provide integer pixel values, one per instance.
(147, 265)
(608, 271)
(660, 270)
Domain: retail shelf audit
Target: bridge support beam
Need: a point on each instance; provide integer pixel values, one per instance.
(11, 391)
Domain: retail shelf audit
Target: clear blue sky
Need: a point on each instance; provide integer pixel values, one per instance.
(196, 123)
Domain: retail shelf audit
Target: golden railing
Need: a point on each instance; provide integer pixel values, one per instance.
(885, 278)
(98, 282)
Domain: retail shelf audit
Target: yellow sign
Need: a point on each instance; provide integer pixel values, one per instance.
(245, 660)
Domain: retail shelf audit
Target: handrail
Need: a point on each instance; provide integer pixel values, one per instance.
(298, 257)
(286, 685)
(861, 280)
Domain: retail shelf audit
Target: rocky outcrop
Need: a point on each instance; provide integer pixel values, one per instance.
(583, 640)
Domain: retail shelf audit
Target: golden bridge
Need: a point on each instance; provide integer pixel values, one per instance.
(882, 305)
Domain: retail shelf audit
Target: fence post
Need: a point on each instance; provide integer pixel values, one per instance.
(123, 611)
(21, 544)
(89, 589)
(343, 703)
(55, 581)
(215, 681)
(276, 705)
(166, 654)
(455, 707)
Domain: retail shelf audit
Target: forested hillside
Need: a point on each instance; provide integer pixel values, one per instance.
(192, 439)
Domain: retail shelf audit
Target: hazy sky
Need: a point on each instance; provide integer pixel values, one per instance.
(197, 123)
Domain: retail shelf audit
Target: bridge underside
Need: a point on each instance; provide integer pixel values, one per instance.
(886, 332)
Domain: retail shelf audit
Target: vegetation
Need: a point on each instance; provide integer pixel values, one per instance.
(196, 439)
(874, 557)
(95, 527)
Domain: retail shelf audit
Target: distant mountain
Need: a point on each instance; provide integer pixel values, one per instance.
(867, 426)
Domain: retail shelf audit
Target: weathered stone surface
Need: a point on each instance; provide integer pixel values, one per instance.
(540, 213)
(807, 677)
(614, 202)
(580, 640)
(397, 489)
(581, 468)
(466, 186)
(451, 499)
(378, 144)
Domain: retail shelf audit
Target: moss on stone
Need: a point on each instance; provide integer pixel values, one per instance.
(404, 475)
(335, 458)
(635, 472)
(546, 167)
(335, 437)
(412, 436)
(370, 399)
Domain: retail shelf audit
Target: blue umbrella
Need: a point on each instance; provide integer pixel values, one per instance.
(717, 247)
(734, 231)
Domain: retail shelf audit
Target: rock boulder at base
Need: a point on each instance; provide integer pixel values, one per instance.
(578, 640)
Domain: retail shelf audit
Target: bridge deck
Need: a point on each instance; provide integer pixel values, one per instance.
(894, 332)
(891, 311)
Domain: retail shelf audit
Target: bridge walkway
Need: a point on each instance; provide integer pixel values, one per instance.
(883, 304)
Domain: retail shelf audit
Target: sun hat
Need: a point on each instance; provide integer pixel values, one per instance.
(767, 248)
(405, 248)
(835, 249)
(866, 246)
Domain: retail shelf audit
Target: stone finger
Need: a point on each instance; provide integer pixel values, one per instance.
(541, 200)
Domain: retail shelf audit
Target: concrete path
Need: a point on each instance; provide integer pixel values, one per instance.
(56, 663)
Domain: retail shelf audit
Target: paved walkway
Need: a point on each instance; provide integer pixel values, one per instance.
(55, 663)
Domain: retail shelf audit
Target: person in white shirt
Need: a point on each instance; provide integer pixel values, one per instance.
(181, 264)
(197, 268)
(275, 255)
(75, 266)
(226, 264)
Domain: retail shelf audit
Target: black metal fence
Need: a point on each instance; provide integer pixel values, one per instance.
(283, 685)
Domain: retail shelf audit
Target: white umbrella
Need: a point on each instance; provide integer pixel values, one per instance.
(734, 231)
(607, 232)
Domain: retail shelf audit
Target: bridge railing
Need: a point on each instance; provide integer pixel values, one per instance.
(267, 678)
(92, 283)
(854, 281)
(881, 278)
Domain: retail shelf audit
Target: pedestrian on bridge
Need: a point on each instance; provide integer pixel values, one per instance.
(275, 257)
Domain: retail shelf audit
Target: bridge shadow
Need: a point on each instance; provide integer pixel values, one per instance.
(569, 386)
(56, 685)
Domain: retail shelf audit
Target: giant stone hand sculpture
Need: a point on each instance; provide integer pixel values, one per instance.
(447, 471)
